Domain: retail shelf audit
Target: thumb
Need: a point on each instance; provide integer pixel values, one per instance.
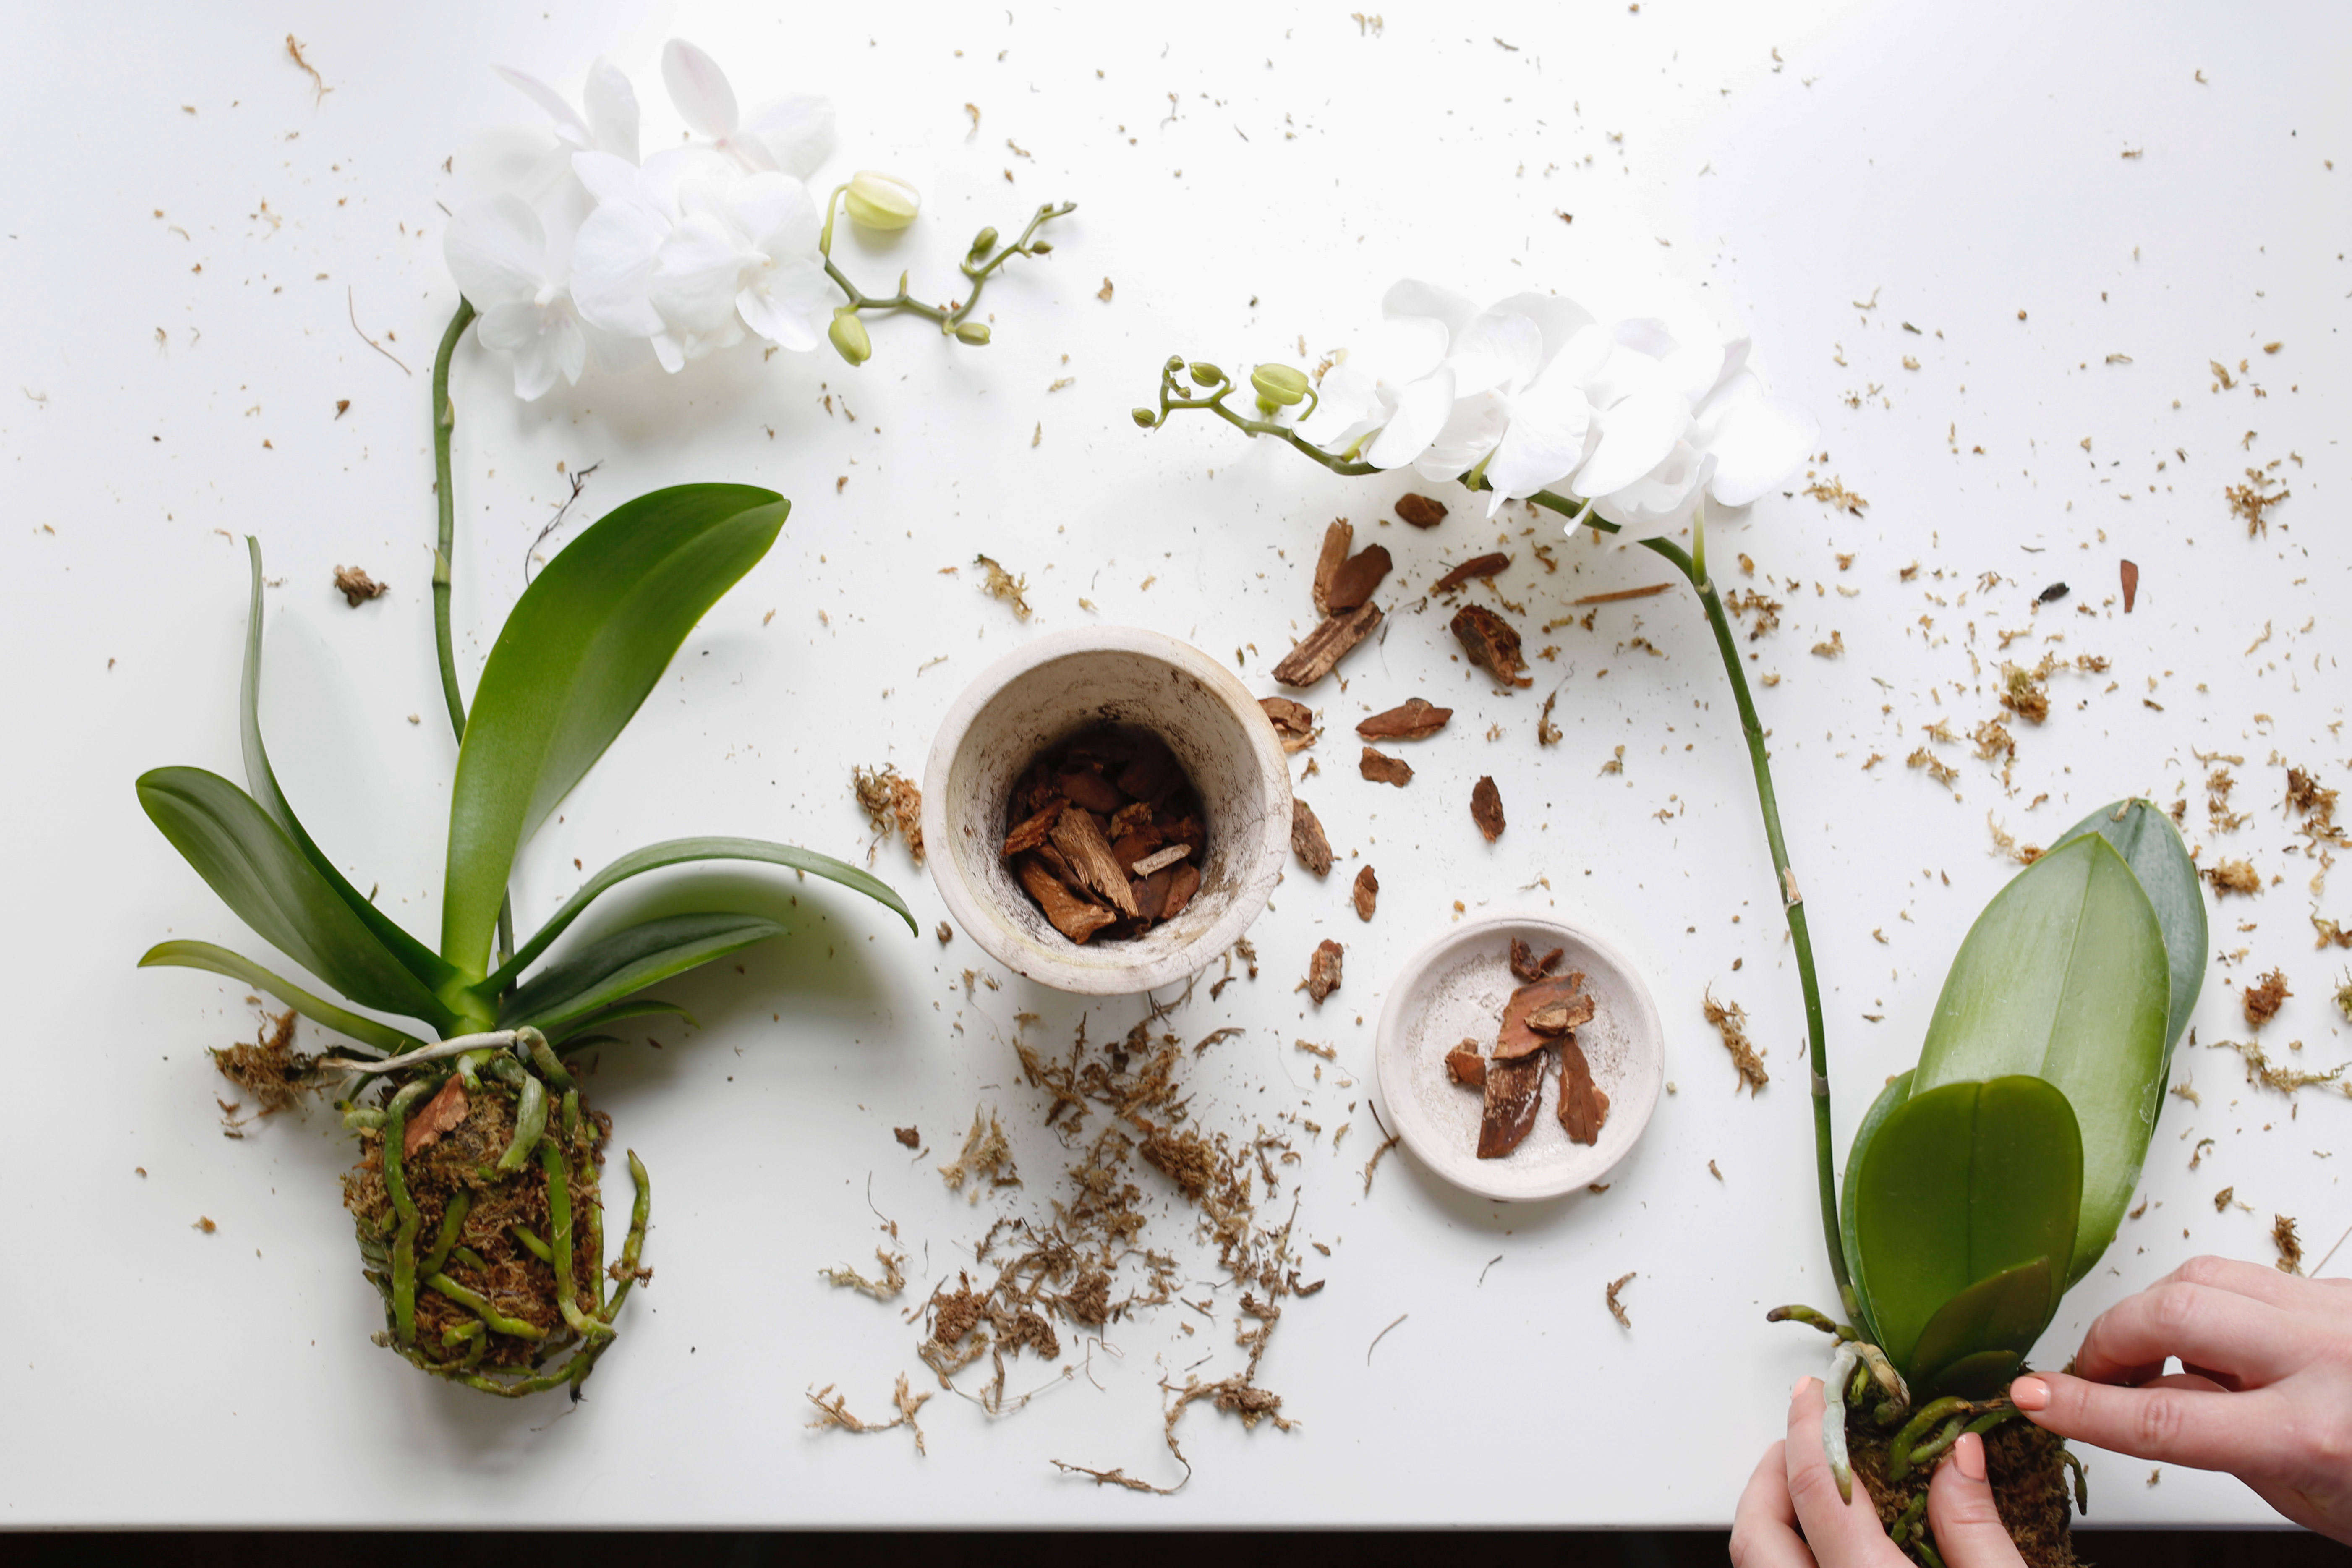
(1969, 1531)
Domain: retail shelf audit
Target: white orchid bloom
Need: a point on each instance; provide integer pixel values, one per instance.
(498, 251)
(606, 121)
(791, 136)
(1398, 383)
(1522, 416)
(743, 254)
(619, 246)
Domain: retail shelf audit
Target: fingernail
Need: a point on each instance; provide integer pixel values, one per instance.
(1968, 1454)
(2028, 1393)
(1798, 1387)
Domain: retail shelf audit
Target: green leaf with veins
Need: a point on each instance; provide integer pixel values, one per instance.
(257, 871)
(586, 643)
(2064, 977)
(421, 961)
(615, 966)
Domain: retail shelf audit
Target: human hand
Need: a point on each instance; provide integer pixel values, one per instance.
(2264, 1389)
(1790, 1515)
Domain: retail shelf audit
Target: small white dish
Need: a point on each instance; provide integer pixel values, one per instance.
(1453, 990)
(1042, 693)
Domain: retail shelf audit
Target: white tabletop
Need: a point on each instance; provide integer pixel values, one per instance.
(2079, 209)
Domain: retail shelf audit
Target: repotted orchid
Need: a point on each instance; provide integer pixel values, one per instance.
(476, 1197)
(1990, 1178)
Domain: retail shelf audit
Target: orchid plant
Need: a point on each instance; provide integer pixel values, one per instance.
(477, 1198)
(1990, 1178)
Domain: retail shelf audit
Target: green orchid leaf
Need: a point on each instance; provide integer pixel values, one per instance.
(676, 851)
(586, 642)
(255, 867)
(1977, 1339)
(613, 967)
(1959, 1184)
(574, 1032)
(418, 959)
(2143, 834)
(1897, 1089)
(2064, 977)
(204, 955)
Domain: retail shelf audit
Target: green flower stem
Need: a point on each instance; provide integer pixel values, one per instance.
(453, 1223)
(948, 318)
(480, 1307)
(395, 1188)
(444, 425)
(1173, 396)
(559, 1241)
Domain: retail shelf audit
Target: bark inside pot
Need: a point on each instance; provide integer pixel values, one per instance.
(1107, 834)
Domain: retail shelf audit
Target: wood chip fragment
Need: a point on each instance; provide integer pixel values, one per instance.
(1367, 894)
(1082, 844)
(1518, 1037)
(1526, 967)
(1476, 566)
(444, 1111)
(1465, 1066)
(357, 587)
(1486, 808)
(1381, 768)
(1620, 594)
(1031, 831)
(1161, 859)
(1338, 540)
(907, 1136)
(2131, 584)
(1558, 1017)
(1352, 584)
(1326, 645)
(1076, 918)
(1183, 883)
(1420, 511)
(1293, 722)
(1514, 1094)
(1583, 1107)
(1417, 720)
(1491, 643)
(1306, 841)
(1323, 970)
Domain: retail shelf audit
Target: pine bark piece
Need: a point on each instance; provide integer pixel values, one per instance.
(1073, 916)
(1151, 894)
(1519, 1038)
(1084, 786)
(1476, 566)
(1560, 1018)
(1328, 644)
(1367, 894)
(1161, 859)
(443, 1111)
(1514, 1094)
(1293, 722)
(1486, 808)
(1491, 643)
(1381, 768)
(1032, 832)
(1083, 846)
(1417, 720)
(1583, 1105)
(1154, 776)
(1420, 511)
(1183, 883)
(2130, 574)
(1523, 964)
(1355, 578)
(1465, 1066)
(1338, 540)
(1306, 841)
(1323, 970)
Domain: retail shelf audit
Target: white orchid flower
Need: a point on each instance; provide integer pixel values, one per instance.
(791, 136)
(498, 251)
(1396, 388)
(744, 254)
(606, 121)
(1522, 416)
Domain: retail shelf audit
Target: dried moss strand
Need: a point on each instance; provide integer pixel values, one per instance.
(453, 1221)
(396, 1190)
(559, 1239)
(530, 1124)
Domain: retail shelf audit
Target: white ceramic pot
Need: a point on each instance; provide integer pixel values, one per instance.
(1039, 695)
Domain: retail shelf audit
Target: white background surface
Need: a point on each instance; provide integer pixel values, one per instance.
(176, 343)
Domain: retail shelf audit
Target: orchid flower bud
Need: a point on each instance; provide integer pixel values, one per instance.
(983, 242)
(1206, 374)
(972, 333)
(1278, 385)
(850, 336)
(1145, 419)
(882, 201)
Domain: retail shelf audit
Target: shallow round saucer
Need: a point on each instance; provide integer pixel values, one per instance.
(1453, 990)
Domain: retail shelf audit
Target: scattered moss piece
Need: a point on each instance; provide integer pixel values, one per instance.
(890, 801)
(1003, 585)
(269, 1069)
(2263, 1001)
(985, 1153)
(357, 587)
(1730, 1021)
(1616, 1306)
(2289, 1244)
(2235, 877)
